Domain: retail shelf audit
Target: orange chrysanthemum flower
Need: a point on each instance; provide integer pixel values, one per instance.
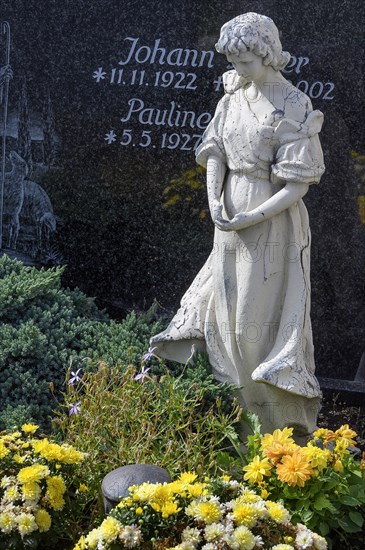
(277, 450)
(294, 469)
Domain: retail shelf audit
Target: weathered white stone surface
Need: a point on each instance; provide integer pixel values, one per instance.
(249, 307)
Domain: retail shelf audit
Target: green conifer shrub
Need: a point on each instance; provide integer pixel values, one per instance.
(46, 329)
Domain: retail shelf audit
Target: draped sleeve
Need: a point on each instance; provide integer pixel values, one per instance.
(212, 141)
(299, 156)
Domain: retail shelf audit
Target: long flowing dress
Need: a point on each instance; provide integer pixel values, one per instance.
(249, 306)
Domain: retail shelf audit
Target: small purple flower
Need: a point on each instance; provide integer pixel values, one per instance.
(74, 409)
(74, 377)
(147, 356)
(143, 374)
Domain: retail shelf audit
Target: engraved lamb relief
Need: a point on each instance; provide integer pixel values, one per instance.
(29, 150)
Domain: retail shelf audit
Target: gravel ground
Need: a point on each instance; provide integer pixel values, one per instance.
(336, 411)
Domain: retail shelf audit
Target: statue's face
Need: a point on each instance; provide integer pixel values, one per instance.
(248, 65)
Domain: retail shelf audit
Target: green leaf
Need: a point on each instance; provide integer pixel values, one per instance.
(224, 460)
(348, 526)
(356, 517)
(324, 528)
(349, 501)
(306, 516)
(253, 422)
(322, 502)
(306, 504)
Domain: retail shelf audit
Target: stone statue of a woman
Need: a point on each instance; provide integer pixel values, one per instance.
(249, 306)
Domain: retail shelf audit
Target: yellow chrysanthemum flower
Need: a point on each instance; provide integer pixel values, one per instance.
(245, 514)
(208, 511)
(29, 428)
(324, 435)
(178, 488)
(56, 484)
(31, 491)
(257, 469)
(7, 522)
(163, 494)
(278, 513)
(282, 547)
(80, 544)
(144, 492)
(169, 509)
(125, 503)
(7, 481)
(55, 490)
(320, 543)
(55, 501)
(19, 459)
(294, 470)
(3, 450)
(26, 524)
(92, 538)
(187, 477)
(245, 539)
(278, 436)
(338, 466)
(226, 478)
(247, 496)
(156, 507)
(61, 453)
(197, 490)
(43, 520)
(341, 447)
(344, 432)
(83, 488)
(31, 474)
(317, 457)
(214, 531)
(11, 493)
(110, 529)
(7, 437)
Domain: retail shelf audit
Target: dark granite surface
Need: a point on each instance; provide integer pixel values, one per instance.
(129, 218)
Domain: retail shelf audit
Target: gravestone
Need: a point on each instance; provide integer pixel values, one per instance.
(109, 100)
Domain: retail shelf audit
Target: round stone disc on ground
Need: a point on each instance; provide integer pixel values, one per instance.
(115, 485)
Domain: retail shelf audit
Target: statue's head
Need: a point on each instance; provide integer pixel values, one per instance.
(252, 32)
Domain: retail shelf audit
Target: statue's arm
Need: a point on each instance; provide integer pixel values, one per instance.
(216, 170)
(283, 199)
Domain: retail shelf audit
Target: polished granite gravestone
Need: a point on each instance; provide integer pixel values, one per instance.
(108, 101)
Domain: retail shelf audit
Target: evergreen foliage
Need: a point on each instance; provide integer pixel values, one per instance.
(45, 330)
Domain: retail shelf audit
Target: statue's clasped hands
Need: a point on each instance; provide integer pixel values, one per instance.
(238, 222)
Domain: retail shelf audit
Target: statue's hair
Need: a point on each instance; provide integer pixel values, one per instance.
(255, 33)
